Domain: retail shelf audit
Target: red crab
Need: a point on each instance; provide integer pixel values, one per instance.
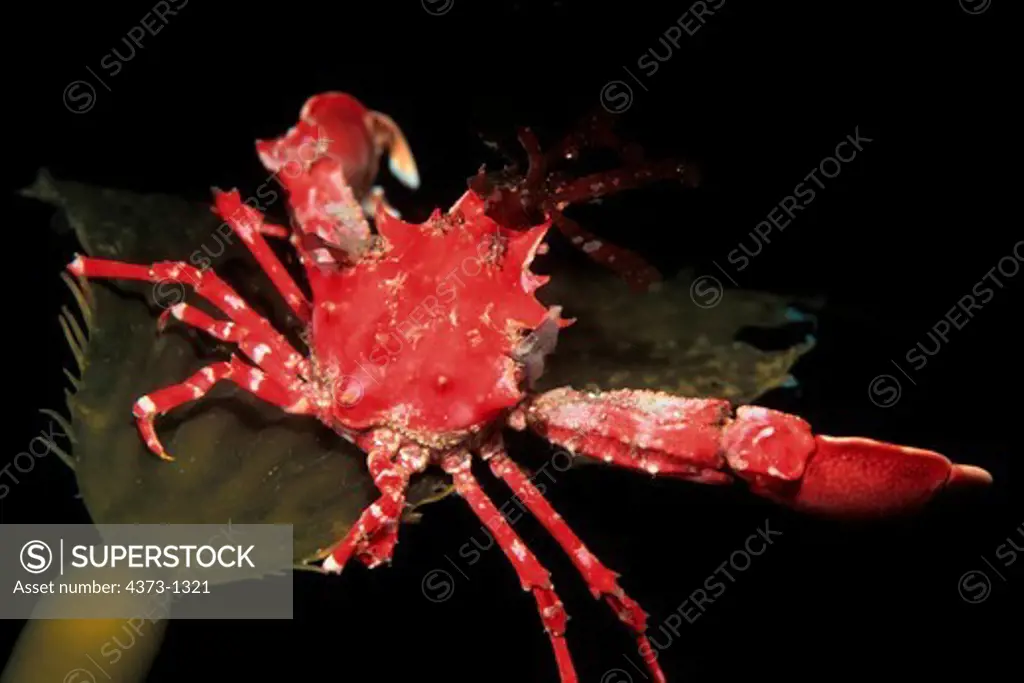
(424, 344)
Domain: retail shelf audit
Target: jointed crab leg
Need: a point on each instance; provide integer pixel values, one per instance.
(601, 184)
(207, 285)
(273, 230)
(375, 533)
(600, 579)
(247, 223)
(537, 163)
(247, 377)
(532, 574)
(280, 371)
(557, 196)
(632, 267)
(629, 265)
(393, 474)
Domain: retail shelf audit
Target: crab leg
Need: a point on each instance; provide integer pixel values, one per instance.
(393, 474)
(248, 224)
(600, 579)
(629, 265)
(273, 230)
(532, 574)
(537, 166)
(282, 372)
(375, 533)
(605, 183)
(206, 284)
(247, 377)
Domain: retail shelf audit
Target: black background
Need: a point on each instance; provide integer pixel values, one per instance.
(757, 97)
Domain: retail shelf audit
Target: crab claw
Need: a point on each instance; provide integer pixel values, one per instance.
(847, 477)
(775, 453)
(856, 477)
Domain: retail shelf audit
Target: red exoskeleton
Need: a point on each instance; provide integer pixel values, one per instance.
(423, 344)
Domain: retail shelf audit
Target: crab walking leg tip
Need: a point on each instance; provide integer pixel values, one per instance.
(374, 535)
(331, 566)
(176, 311)
(601, 580)
(533, 577)
(77, 266)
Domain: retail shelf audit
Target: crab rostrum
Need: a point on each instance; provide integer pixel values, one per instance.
(423, 345)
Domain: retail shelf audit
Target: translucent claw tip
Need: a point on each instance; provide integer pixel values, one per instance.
(969, 475)
(163, 321)
(404, 168)
(165, 456)
(77, 266)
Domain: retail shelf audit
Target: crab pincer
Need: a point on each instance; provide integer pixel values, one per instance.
(775, 453)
